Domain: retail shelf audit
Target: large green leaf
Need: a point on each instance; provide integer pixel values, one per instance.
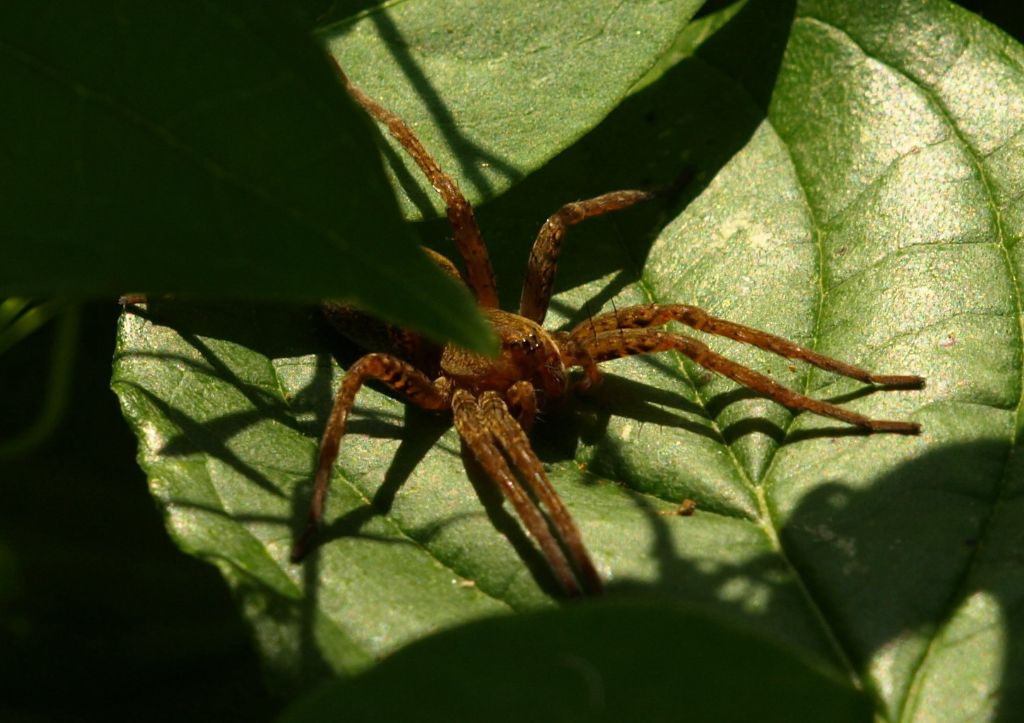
(201, 149)
(857, 188)
(551, 664)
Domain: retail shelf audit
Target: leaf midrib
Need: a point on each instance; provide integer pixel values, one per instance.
(765, 521)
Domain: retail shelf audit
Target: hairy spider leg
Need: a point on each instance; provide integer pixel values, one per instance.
(522, 400)
(472, 427)
(646, 315)
(479, 272)
(540, 269)
(511, 438)
(398, 375)
(574, 354)
(627, 342)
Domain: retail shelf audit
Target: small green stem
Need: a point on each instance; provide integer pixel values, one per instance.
(58, 383)
(17, 327)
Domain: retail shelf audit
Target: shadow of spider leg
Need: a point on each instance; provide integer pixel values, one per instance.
(399, 375)
(592, 347)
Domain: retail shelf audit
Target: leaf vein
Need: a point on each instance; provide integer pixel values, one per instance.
(960, 588)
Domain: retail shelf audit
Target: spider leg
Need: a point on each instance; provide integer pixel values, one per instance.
(646, 315)
(522, 399)
(460, 214)
(540, 271)
(396, 374)
(472, 427)
(626, 342)
(370, 332)
(574, 355)
(511, 438)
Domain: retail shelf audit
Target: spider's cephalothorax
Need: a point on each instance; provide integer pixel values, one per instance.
(494, 400)
(528, 353)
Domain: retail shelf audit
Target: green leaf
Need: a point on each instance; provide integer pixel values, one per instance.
(205, 149)
(495, 89)
(858, 189)
(649, 663)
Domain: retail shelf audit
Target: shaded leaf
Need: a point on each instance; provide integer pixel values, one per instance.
(205, 149)
(649, 663)
(857, 189)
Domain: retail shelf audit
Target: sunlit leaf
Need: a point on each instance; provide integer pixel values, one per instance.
(496, 89)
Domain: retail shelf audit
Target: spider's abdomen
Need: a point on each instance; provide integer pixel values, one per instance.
(528, 353)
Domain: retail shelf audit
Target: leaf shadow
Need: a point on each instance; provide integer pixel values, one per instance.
(242, 323)
(592, 305)
(583, 417)
(418, 435)
(921, 558)
(472, 157)
(210, 437)
(507, 524)
(689, 122)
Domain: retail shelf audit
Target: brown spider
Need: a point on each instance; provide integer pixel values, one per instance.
(494, 400)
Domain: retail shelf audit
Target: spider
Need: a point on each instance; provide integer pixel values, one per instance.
(494, 401)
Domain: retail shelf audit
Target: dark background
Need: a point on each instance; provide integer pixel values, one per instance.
(101, 616)
(106, 619)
